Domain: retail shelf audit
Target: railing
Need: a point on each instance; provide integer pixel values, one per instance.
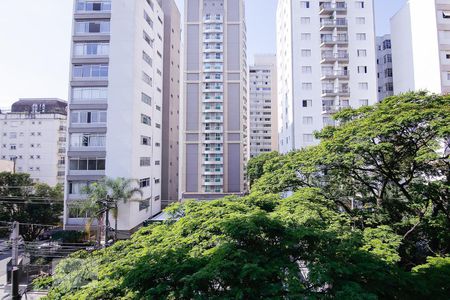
(333, 22)
(334, 39)
(333, 6)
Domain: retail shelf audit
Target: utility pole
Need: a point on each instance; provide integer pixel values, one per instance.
(15, 262)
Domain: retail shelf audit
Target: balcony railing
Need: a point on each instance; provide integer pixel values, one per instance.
(335, 56)
(334, 40)
(329, 8)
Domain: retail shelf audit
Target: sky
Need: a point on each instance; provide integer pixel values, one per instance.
(35, 42)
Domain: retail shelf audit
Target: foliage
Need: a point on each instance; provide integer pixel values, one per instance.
(27, 202)
(69, 236)
(255, 166)
(367, 218)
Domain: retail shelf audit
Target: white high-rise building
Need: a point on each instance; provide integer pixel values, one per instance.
(214, 121)
(326, 61)
(116, 103)
(420, 34)
(263, 105)
(33, 135)
(384, 64)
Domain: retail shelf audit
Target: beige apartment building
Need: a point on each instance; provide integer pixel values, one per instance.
(214, 120)
(171, 103)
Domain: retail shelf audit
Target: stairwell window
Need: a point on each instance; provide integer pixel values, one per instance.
(362, 69)
(147, 79)
(306, 86)
(363, 85)
(306, 52)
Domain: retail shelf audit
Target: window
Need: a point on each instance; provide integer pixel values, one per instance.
(146, 120)
(92, 27)
(362, 53)
(144, 182)
(361, 20)
(361, 36)
(306, 86)
(88, 117)
(93, 6)
(446, 14)
(307, 120)
(387, 58)
(87, 164)
(306, 36)
(386, 44)
(389, 87)
(94, 94)
(363, 86)
(306, 52)
(148, 19)
(147, 58)
(388, 73)
(307, 103)
(157, 180)
(12, 135)
(306, 69)
(359, 4)
(145, 161)
(147, 79)
(363, 102)
(362, 69)
(90, 71)
(90, 49)
(87, 140)
(144, 204)
(304, 4)
(305, 20)
(308, 138)
(147, 39)
(146, 141)
(12, 147)
(146, 99)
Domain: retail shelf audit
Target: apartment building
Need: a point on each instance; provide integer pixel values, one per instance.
(214, 120)
(171, 103)
(33, 136)
(384, 64)
(326, 61)
(263, 105)
(116, 103)
(421, 46)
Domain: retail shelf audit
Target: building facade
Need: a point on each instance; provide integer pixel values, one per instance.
(171, 103)
(326, 61)
(116, 103)
(420, 34)
(263, 105)
(214, 120)
(33, 136)
(384, 64)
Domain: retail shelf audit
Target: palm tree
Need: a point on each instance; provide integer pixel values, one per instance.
(121, 190)
(96, 193)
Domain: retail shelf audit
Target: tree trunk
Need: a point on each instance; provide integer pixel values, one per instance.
(115, 221)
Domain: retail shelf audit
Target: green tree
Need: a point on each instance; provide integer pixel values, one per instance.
(31, 203)
(255, 166)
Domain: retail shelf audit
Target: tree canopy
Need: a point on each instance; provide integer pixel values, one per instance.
(362, 215)
(24, 201)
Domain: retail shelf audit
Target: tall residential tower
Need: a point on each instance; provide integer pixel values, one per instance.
(420, 34)
(384, 64)
(326, 61)
(116, 103)
(263, 105)
(171, 103)
(214, 121)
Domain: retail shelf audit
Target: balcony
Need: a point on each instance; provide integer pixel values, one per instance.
(213, 100)
(330, 42)
(335, 74)
(213, 59)
(218, 171)
(213, 39)
(213, 89)
(213, 29)
(213, 109)
(330, 24)
(328, 8)
(335, 92)
(213, 182)
(212, 69)
(329, 109)
(212, 49)
(212, 19)
(213, 150)
(218, 119)
(333, 57)
(212, 161)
